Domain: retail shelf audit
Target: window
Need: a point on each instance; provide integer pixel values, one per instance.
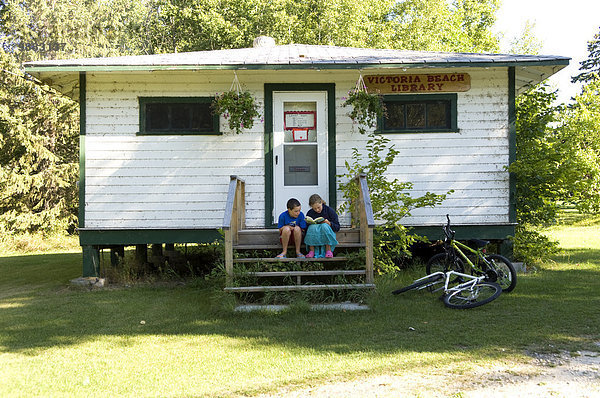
(177, 115)
(418, 113)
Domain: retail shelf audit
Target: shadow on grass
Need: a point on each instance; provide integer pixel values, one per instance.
(553, 306)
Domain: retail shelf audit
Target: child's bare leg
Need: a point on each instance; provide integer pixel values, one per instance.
(298, 238)
(285, 238)
(328, 248)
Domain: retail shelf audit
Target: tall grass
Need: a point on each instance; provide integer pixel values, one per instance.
(38, 243)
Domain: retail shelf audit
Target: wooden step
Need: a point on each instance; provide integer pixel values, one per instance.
(332, 272)
(270, 236)
(289, 260)
(278, 246)
(255, 289)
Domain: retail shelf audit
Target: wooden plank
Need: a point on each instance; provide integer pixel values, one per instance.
(278, 246)
(271, 237)
(289, 260)
(250, 289)
(306, 273)
(228, 257)
(369, 256)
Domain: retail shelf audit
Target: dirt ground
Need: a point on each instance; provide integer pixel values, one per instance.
(547, 375)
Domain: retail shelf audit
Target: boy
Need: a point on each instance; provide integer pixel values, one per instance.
(291, 223)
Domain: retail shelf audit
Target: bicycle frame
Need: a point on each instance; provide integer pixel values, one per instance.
(450, 242)
(447, 276)
(456, 245)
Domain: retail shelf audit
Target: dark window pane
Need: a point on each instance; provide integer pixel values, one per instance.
(202, 118)
(181, 116)
(185, 117)
(438, 114)
(415, 116)
(394, 119)
(157, 117)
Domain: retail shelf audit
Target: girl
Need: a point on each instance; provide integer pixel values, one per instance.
(291, 225)
(321, 237)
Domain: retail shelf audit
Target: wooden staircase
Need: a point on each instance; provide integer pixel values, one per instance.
(239, 240)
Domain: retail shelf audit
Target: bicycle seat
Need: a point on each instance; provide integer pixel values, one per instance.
(478, 242)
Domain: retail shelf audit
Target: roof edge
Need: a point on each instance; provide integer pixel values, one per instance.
(307, 66)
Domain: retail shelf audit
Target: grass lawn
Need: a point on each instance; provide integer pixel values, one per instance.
(58, 340)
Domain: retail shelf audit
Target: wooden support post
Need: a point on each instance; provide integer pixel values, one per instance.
(115, 253)
(229, 256)
(141, 254)
(242, 204)
(91, 261)
(506, 249)
(233, 220)
(369, 256)
(367, 223)
(157, 249)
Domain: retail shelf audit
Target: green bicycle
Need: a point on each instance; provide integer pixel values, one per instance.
(494, 267)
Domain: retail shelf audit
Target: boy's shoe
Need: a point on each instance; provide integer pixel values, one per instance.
(300, 255)
(311, 254)
(280, 255)
(328, 254)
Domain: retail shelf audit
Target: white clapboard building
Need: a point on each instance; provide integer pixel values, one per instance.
(156, 164)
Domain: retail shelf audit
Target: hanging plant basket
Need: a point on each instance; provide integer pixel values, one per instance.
(237, 106)
(367, 108)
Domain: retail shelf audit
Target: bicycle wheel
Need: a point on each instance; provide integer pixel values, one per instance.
(507, 275)
(473, 296)
(443, 263)
(419, 283)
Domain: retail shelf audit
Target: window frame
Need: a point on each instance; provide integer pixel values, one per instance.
(421, 98)
(143, 101)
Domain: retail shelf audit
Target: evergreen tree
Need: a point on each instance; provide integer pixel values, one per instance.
(38, 155)
(591, 66)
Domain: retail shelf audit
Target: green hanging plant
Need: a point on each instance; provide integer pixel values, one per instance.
(237, 106)
(367, 108)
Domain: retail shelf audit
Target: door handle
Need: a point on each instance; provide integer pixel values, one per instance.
(276, 160)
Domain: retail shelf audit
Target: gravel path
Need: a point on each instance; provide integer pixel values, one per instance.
(548, 375)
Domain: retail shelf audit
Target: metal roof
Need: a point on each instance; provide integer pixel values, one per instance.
(292, 56)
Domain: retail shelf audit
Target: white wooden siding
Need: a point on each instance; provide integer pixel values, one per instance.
(471, 162)
(181, 181)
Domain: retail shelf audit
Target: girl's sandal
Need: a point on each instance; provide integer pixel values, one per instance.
(300, 255)
(280, 255)
(329, 254)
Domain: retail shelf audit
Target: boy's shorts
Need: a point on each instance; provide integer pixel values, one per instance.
(291, 240)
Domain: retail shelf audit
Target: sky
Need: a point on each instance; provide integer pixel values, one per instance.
(563, 27)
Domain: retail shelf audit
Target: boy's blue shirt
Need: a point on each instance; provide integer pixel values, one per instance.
(286, 219)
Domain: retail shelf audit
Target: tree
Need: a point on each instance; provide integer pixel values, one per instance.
(55, 29)
(580, 134)
(557, 163)
(38, 155)
(39, 127)
(38, 133)
(591, 66)
(538, 157)
(434, 25)
(194, 25)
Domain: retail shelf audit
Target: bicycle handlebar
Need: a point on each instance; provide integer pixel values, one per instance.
(449, 233)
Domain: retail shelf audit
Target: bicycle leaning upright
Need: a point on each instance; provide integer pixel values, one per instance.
(494, 267)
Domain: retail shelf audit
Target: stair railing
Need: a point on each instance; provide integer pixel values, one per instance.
(364, 211)
(233, 220)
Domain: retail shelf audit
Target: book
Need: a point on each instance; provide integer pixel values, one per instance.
(309, 220)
